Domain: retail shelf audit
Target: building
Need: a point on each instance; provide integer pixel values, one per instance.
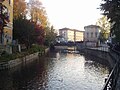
(9, 26)
(71, 34)
(6, 17)
(91, 34)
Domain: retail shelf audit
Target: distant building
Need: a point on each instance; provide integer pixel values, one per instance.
(71, 34)
(91, 34)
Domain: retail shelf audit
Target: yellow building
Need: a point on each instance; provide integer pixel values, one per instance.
(6, 25)
(79, 35)
(71, 34)
(7, 32)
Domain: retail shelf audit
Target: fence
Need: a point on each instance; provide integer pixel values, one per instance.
(111, 82)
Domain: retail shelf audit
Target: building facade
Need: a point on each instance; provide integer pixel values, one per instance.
(71, 34)
(8, 29)
(91, 34)
(6, 25)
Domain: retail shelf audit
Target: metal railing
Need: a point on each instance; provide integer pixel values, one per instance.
(111, 81)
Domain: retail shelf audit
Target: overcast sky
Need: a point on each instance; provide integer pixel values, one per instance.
(72, 13)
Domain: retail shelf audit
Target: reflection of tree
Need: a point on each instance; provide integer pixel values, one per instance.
(4, 19)
(94, 64)
(96, 60)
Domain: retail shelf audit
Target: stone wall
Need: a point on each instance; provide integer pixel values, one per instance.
(103, 56)
(23, 60)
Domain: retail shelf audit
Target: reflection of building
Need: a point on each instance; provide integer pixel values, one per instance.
(71, 34)
(91, 34)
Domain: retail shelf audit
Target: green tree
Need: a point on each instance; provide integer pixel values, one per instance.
(29, 31)
(24, 32)
(105, 28)
(50, 35)
(111, 8)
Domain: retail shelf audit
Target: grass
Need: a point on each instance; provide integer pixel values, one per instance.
(35, 48)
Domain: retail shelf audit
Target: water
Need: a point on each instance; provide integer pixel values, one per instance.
(56, 71)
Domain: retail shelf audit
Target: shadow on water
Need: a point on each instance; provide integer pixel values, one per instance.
(97, 60)
(23, 77)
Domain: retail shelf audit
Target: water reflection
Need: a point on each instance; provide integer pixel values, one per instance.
(56, 71)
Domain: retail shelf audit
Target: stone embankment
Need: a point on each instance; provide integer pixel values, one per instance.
(113, 59)
(105, 56)
(18, 61)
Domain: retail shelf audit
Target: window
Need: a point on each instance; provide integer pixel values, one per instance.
(96, 34)
(87, 34)
(91, 34)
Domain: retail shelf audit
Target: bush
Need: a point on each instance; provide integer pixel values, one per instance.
(36, 48)
(7, 57)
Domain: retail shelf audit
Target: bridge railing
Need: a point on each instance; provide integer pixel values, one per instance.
(111, 81)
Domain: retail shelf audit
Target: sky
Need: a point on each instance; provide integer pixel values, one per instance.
(74, 14)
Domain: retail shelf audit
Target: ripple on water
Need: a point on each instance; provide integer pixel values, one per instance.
(58, 71)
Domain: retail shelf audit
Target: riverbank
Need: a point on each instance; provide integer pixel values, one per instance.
(104, 56)
(113, 62)
(26, 59)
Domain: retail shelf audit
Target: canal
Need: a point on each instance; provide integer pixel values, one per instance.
(56, 71)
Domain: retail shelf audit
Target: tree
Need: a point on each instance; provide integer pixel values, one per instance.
(40, 33)
(50, 35)
(24, 32)
(19, 8)
(38, 15)
(105, 28)
(29, 31)
(111, 8)
(37, 12)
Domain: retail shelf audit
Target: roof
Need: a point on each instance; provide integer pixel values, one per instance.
(71, 29)
(65, 28)
(92, 26)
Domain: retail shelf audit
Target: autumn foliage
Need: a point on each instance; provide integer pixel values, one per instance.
(39, 30)
(33, 30)
(19, 8)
